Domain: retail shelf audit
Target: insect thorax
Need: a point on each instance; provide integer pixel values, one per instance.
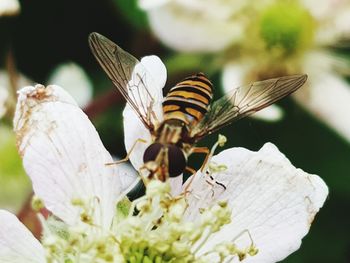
(172, 131)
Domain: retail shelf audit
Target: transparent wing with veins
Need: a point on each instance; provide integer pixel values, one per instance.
(244, 101)
(131, 79)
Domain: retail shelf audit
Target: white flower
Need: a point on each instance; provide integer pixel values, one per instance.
(303, 30)
(272, 200)
(193, 25)
(65, 159)
(269, 197)
(199, 25)
(63, 154)
(177, 22)
(9, 7)
(326, 93)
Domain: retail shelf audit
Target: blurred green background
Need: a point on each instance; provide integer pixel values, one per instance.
(48, 33)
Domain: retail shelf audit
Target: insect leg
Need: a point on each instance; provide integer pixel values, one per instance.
(190, 170)
(142, 168)
(193, 172)
(128, 154)
(204, 150)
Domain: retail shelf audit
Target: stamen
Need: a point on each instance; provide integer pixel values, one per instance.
(220, 142)
(158, 232)
(37, 203)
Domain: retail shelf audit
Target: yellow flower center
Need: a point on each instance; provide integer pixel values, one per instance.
(286, 26)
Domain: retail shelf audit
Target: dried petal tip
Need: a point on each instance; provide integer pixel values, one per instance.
(39, 93)
(58, 142)
(28, 100)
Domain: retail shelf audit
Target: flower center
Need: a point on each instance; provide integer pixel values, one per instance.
(287, 26)
(150, 229)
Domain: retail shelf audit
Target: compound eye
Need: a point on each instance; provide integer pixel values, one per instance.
(177, 161)
(152, 152)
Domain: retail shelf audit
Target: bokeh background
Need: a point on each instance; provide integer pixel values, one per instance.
(46, 42)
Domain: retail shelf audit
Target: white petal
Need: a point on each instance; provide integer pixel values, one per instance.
(269, 197)
(127, 175)
(189, 31)
(134, 130)
(133, 127)
(323, 10)
(332, 18)
(9, 7)
(17, 244)
(342, 21)
(149, 4)
(218, 10)
(63, 154)
(74, 79)
(235, 74)
(319, 9)
(272, 113)
(154, 72)
(156, 69)
(326, 95)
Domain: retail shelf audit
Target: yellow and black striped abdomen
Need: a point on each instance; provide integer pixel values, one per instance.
(189, 99)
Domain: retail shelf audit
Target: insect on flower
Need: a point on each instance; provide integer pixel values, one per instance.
(188, 114)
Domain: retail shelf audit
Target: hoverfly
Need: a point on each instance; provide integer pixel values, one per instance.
(188, 112)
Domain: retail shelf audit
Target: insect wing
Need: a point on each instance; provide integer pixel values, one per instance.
(245, 100)
(130, 77)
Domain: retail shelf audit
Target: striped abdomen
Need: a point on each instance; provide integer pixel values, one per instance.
(189, 99)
